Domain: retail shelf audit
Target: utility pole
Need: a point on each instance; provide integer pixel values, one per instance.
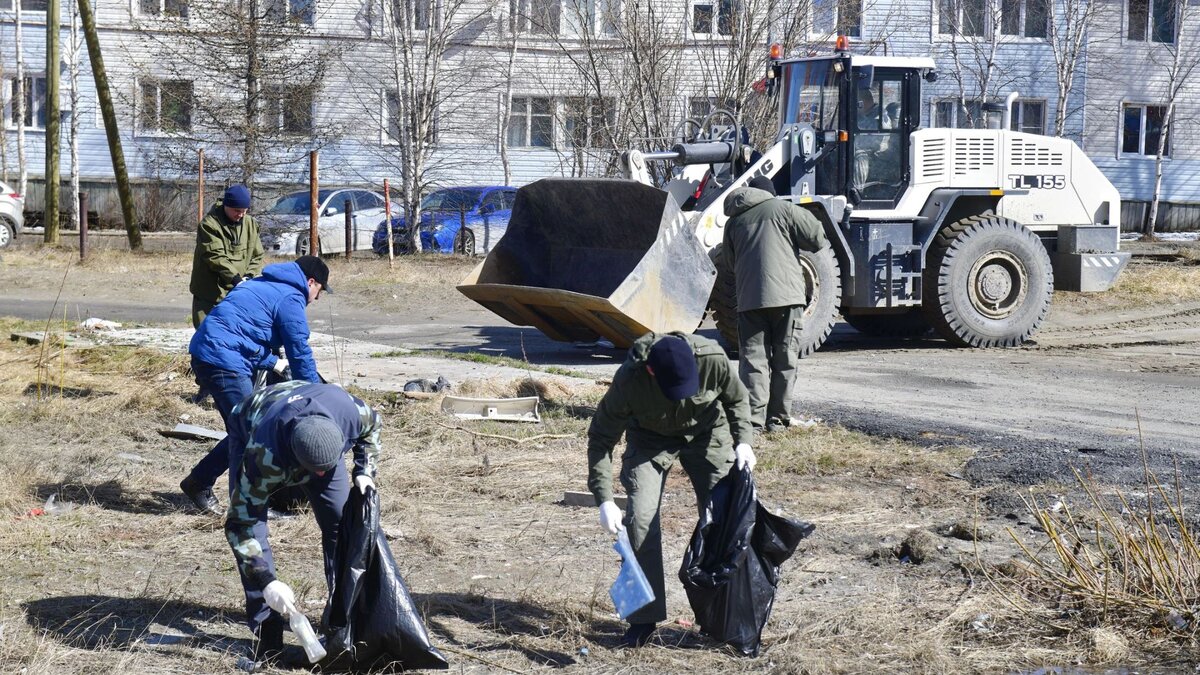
(110, 125)
(50, 220)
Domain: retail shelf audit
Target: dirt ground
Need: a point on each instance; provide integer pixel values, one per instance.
(914, 566)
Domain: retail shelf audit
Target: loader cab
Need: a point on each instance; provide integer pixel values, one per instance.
(863, 110)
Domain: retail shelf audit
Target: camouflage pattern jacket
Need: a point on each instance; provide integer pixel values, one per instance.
(266, 420)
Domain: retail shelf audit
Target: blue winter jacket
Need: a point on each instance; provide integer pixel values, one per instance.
(259, 315)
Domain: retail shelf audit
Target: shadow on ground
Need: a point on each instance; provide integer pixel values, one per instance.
(113, 496)
(104, 622)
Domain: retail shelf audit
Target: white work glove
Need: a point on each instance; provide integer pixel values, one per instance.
(362, 482)
(610, 518)
(279, 597)
(281, 365)
(744, 457)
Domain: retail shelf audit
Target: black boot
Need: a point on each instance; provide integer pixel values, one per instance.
(201, 497)
(637, 635)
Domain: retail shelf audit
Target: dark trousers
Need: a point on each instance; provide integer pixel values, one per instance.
(228, 389)
(327, 494)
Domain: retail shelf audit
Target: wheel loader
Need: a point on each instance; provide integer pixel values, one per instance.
(966, 232)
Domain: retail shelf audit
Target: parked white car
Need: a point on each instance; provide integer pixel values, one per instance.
(284, 227)
(12, 216)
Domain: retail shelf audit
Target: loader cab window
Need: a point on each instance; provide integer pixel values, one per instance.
(882, 123)
(810, 93)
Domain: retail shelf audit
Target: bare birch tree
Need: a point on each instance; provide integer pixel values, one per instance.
(1071, 33)
(71, 55)
(19, 107)
(1175, 51)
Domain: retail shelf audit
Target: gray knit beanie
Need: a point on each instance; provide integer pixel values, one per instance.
(317, 443)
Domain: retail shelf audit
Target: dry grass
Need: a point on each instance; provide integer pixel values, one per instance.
(1141, 285)
(508, 578)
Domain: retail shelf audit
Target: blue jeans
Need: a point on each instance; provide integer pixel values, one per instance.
(228, 389)
(327, 494)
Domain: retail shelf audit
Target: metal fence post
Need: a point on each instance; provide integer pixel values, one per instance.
(349, 216)
(83, 225)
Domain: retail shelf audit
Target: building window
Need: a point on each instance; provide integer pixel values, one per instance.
(416, 114)
(1141, 128)
(842, 17)
(536, 17)
(288, 109)
(712, 17)
(531, 123)
(1025, 18)
(35, 102)
(967, 18)
(422, 13)
(167, 8)
(295, 11)
(26, 5)
(700, 107)
(951, 114)
(588, 120)
(1152, 20)
(1029, 117)
(598, 18)
(166, 105)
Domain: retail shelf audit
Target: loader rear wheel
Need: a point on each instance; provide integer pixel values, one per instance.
(988, 282)
(910, 324)
(823, 280)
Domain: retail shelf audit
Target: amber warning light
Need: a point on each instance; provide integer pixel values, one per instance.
(776, 51)
(842, 44)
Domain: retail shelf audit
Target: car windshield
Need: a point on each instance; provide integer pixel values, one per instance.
(296, 204)
(455, 199)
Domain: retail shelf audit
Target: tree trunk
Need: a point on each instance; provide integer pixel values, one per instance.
(88, 20)
(506, 102)
(53, 123)
(73, 73)
(19, 110)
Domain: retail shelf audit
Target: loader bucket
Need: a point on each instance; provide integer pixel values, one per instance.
(589, 258)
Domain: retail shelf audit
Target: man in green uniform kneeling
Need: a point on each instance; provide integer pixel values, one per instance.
(674, 397)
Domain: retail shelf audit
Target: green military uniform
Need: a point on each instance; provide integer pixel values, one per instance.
(762, 238)
(225, 252)
(701, 431)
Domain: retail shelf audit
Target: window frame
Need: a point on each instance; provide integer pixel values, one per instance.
(957, 108)
(1023, 20)
(596, 20)
(8, 98)
(135, 10)
(432, 15)
(1148, 30)
(833, 20)
(716, 19)
(140, 103)
(24, 12)
(1018, 115)
(602, 109)
(955, 32)
(1142, 137)
(528, 115)
(273, 113)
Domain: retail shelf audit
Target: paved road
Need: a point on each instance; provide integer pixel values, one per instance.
(1075, 397)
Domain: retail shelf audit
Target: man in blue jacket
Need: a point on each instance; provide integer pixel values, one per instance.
(291, 434)
(240, 335)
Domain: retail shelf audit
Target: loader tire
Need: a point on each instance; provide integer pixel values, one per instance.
(987, 283)
(910, 324)
(823, 280)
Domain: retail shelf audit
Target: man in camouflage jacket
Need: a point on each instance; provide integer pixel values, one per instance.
(675, 397)
(293, 433)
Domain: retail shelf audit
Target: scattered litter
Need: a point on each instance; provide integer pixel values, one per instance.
(521, 409)
(631, 590)
(982, 623)
(428, 386)
(1177, 620)
(477, 577)
(131, 457)
(163, 639)
(185, 417)
(804, 424)
(247, 664)
(583, 651)
(168, 377)
(51, 508)
(99, 324)
(191, 432)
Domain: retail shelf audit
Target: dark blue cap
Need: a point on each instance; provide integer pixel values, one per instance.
(674, 367)
(237, 197)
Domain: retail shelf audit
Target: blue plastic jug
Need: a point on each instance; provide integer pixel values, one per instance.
(631, 591)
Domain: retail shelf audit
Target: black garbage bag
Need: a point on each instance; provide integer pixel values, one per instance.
(370, 618)
(731, 566)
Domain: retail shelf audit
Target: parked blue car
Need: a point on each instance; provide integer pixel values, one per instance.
(484, 209)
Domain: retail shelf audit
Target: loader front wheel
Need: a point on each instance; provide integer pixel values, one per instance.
(988, 282)
(823, 281)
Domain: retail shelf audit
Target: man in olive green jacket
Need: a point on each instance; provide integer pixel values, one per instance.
(228, 250)
(674, 397)
(762, 239)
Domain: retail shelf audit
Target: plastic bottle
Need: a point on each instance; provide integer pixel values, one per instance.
(303, 631)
